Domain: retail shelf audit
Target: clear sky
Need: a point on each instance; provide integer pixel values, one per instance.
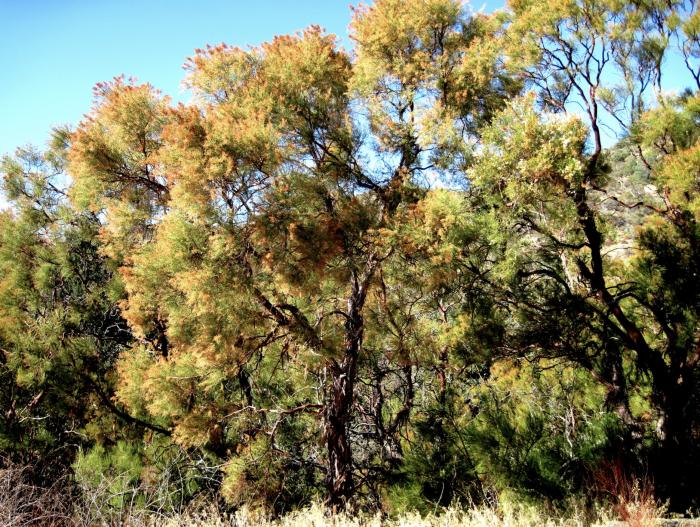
(53, 52)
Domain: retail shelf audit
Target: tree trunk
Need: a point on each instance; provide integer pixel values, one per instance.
(617, 397)
(338, 408)
(678, 460)
(339, 478)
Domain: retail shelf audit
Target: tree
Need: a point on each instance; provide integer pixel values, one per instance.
(259, 224)
(61, 329)
(577, 292)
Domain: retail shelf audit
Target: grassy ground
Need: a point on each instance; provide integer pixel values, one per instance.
(316, 517)
(23, 504)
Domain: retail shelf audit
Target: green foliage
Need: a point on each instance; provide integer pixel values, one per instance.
(438, 468)
(118, 467)
(541, 431)
(267, 474)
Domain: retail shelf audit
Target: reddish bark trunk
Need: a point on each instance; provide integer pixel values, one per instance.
(338, 410)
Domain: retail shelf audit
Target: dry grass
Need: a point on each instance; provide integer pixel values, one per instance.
(632, 498)
(23, 505)
(316, 516)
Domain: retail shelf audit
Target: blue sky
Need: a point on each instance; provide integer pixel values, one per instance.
(54, 51)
